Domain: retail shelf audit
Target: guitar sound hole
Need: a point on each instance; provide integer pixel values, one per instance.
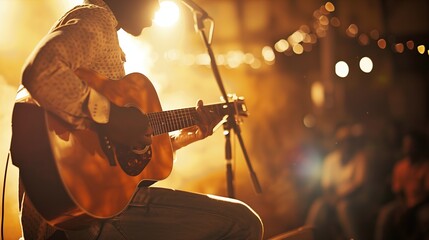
(133, 163)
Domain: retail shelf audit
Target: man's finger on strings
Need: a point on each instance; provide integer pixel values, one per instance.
(204, 119)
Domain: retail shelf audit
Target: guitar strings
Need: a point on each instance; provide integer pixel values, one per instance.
(171, 120)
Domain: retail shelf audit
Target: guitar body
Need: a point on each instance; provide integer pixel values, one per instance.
(66, 173)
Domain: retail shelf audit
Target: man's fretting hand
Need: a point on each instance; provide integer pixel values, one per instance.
(207, 120)
(205, 123)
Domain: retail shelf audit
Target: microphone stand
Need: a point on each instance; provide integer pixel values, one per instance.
(199, 17)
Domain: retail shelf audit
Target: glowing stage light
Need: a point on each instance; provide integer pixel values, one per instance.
(366, 64)
(342, 69)
(167, 15)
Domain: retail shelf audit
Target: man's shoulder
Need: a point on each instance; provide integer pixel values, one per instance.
(90, 14)
(91, 11)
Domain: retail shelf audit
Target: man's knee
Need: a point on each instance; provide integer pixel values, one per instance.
(251, 220)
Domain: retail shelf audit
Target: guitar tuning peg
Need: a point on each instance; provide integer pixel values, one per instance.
(232, 97)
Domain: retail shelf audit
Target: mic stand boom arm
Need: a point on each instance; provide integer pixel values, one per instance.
(200, 16)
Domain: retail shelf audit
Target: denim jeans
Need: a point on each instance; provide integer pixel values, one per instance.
(159, 213)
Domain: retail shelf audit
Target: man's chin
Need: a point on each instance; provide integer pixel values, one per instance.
(134, 32)
(137, 31)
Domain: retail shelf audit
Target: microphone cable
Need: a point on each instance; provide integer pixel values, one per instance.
(3, 195)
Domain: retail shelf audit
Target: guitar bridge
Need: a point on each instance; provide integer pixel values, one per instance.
(133, 160)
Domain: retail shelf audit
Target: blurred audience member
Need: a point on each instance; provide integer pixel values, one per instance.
(407, 217)
(343, 176)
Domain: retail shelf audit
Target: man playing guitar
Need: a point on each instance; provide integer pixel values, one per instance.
(76, 76)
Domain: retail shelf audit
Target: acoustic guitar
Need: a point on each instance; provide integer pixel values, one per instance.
(73, 177)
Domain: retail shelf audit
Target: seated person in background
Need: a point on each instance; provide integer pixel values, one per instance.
(407, 217)
(343, 175)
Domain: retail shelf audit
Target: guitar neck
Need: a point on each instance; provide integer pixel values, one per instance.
(172, 120)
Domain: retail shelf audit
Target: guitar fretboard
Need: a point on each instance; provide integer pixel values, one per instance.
(172, 120)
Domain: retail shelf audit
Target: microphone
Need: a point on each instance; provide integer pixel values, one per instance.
(196, 9)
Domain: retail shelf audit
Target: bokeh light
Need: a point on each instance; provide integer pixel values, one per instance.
(309, 121)
(268, 54)
(281, 46)
(202, 59)
(342, 69)
(410, 44)
(234, 59)
(324, 20)
(298, 49)
(297, 37)
(399, 47)
(317, 94)
(366, 64)
(375, 34)
(421, 49)
(363, 39)
(352, 30)
(256, 64)
(381, 43)
(335, 22)
(329, 7)
(249, 58)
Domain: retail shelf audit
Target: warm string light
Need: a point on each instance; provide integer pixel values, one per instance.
(293, 44)
(299, 42)
(231, 59)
